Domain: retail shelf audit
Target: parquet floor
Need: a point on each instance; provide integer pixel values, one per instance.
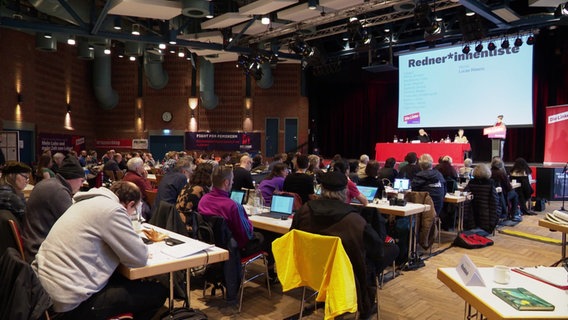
(413, 294)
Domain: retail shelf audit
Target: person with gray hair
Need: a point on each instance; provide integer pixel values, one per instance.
(139, 176)
(173, 182)
(467, 169)
(485, 206)
(363, 160)
(431, 181)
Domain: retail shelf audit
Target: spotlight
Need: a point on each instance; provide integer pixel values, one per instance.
(47, 35)
(107, 51)
(466, 49)
(530, 40)
(518, 42)
(479, 47)
(71, 41)
(505, 44)
(172, 36)
(312, 4)
(211, 13)
(265, 20)
(117, 23)
(162, 46)
(491, 46)
(181, 52)
(136, 29)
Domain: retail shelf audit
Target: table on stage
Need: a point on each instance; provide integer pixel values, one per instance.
(491, 307)
(398, 151)
(556, 227)
(161, 263)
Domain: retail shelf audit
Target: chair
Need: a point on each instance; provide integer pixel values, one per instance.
(110, 175)
(310, 260)
(10, 233)
(151, 196)
(245, 262)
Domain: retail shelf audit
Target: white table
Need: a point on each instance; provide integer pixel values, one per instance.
(460, 201)
(160, 263)
(492, 307)
(268, 223)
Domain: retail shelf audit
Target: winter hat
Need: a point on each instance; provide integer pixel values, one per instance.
(15, 167)
(70, 168)
(333, 181)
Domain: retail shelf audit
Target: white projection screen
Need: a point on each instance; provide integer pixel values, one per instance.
(445, 88)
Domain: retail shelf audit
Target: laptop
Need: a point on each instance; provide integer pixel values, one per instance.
(367, 192)
(401, 184)
(280, 207)
(238, 196)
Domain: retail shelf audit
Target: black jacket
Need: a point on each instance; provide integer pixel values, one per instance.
(485, 207)
(432, 182)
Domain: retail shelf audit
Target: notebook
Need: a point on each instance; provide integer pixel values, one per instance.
(238, 196)
(401, 184)
(522, 299)
(281, 206)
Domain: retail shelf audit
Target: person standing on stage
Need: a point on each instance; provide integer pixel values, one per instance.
(500, 123)
(423, 136)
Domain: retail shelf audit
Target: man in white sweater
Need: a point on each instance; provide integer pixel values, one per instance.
(76, 263)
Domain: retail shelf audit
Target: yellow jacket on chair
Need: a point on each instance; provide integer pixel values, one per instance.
(319, 262)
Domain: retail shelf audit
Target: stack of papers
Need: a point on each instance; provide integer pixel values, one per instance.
(557, 217)
(188, 248)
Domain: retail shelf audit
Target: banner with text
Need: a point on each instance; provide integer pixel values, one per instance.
(223, 141)
(107, 144)
(556, 135)
(60, 143)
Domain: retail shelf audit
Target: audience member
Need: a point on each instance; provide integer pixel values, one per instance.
(485, 206)
(225, 159)
(363, 160)
(431, 181)
(352, 191)
(372, 177)
(353, 167)
(14, 179)
(508, 198)
(278, 158)
(273, 183)
(314, 166)
(139, 176)
(113, 164)
(76, 264)
(449, 173)
(242, 175)
(258, 165)
(108, 155)
(188, 199)
(48, 201)
(388, 171)
(83, 158)
(57, 159)
(92, 158)
(300, 182)
(173, 182)
(333, 216)
(467, 170)
(523, 173)
(423, 136)
(43, 168)
(409, 170)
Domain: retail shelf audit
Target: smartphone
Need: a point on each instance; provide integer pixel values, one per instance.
(146, 240)
(173, 242)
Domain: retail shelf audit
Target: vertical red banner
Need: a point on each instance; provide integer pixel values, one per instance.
(556, 136)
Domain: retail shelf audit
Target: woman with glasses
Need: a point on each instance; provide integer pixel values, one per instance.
(14, 179)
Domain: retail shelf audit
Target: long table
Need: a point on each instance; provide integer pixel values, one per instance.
(492, 307)
(398, 151)
(556, 227)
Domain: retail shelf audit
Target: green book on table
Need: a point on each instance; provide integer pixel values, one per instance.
(522, 299)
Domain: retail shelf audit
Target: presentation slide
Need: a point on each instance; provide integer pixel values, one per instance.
(445, 88)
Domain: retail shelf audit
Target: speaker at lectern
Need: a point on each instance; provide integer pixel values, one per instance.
(497, 134)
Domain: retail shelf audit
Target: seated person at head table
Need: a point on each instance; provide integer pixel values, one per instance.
(431, 181)
(77, 262)
(460, 138)
(372, 178)
(300, 182)
(423, 136)
(332, 215)
(352, 191)
(273, 182)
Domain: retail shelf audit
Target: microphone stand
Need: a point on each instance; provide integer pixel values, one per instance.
(564, 187)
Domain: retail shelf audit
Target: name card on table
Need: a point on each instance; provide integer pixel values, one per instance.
(469, 273)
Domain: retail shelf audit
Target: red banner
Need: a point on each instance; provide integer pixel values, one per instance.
(556, 136)
(113, 143)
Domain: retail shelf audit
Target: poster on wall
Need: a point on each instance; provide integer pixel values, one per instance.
(60, 143)
(556, 136)
(223, 141)
(107, 144)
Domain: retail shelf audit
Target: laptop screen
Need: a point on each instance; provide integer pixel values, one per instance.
(282, 204)
(368, 192)
(401, 184)
(238, 196)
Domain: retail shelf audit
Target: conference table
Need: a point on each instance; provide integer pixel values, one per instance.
(489, 306)
(398, 151)
(160, 262)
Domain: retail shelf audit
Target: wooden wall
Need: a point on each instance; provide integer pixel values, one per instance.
(48, 80)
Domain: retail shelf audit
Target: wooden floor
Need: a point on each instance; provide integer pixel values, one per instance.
(413, 294)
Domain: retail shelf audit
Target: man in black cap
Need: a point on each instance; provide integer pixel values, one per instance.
(331, 216)
(49, 199)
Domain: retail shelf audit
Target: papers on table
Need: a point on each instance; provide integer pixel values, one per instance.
(556, 277)
(189, 247)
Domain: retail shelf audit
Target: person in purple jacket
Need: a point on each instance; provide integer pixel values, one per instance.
(273, 182)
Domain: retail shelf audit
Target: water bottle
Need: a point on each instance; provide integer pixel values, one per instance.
(257, 200)
(395, 139)
(448, 139)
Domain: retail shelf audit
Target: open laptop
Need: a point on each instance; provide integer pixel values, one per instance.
(280, 207)
(367, 192)
(401, 184)
(238, 196)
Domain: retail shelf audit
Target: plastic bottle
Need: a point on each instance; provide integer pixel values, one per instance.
(448, 139)
(395, 139)
(257, 200)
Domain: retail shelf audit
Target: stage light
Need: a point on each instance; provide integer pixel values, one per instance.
(518, 42)
(530, 40)
(136, 29)
(479, 47)
(71, 40)
(312, 4)
(466, 49)
(117, 25)
(491, 46)
(181, 52)
(505, 44)
(265, 20)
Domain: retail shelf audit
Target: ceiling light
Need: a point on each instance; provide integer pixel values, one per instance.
(47, 35)
(117, 23)
(181, 52)
(518, 42)
(132, 58)
(466, 49)
(312, 4)
(265, 20)
(107, 51)
(71, 41)
(345, 36)
(530, 40)
(469, 13)
(491, 46)
(172, 36)
(479, 47)
(136, 29)
(505, 44)
(353, 19)
(211, 13)
(162, 46)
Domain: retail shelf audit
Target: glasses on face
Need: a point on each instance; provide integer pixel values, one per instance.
(25, 176)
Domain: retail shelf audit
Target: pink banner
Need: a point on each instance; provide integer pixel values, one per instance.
(556, 136)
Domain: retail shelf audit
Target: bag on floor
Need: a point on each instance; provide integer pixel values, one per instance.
(184, 314)
(538, 204)
(471, 240)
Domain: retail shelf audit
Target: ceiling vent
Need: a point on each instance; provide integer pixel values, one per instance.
(195, 8)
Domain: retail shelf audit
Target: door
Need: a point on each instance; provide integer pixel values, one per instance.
(271, 136)
(159, 145)
(9, 143)
(290, 134)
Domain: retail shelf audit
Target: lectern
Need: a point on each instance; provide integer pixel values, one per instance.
(497, 135)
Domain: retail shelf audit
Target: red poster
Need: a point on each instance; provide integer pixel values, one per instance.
(113, 143)
(556, 136)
